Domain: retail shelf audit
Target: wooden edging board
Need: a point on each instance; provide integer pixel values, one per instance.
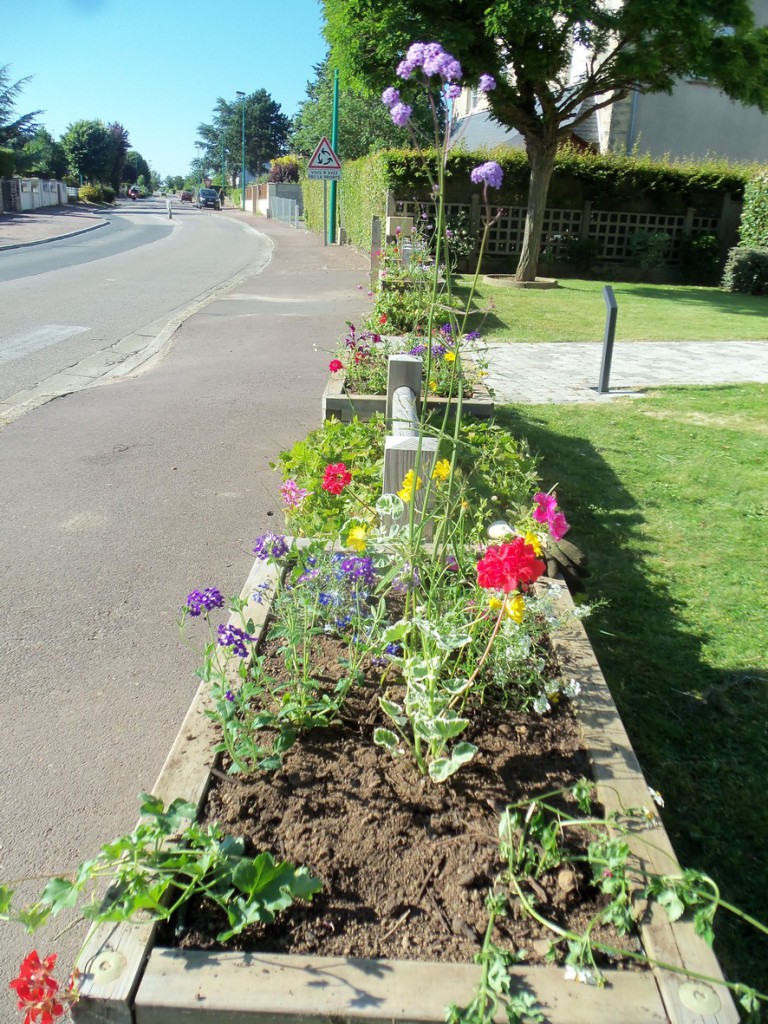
(345, 406)
(127, 979)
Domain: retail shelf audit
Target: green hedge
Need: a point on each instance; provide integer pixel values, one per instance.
(6, 163)
(754, 219)
(746, 271)
(608, 181)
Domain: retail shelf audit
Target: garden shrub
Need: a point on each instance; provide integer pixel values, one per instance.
(284, 169)
(108, 194)
(90, 194)
(701, 260)
(581, 253)
(753, 232)
(746, 270)
(648, 248)
(6, 163)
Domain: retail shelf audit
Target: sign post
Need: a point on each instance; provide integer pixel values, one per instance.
(324, 166)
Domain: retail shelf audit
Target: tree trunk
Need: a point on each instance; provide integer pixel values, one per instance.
(541, 160)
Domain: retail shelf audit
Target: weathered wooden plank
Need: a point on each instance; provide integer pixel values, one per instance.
(621, 785)
(233, 988)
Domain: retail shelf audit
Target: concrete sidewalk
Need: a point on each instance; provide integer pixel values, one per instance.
(46, 225)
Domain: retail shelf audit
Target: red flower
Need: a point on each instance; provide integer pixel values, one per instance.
(509, 567)
(336, 478)
(335, 365)
(36, 989)
(383, 319)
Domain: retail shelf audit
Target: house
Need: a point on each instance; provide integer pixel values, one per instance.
(695, 120)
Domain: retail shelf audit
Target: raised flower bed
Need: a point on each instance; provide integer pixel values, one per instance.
(345, 405)
(129, 976)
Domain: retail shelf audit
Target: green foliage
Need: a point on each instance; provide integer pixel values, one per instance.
(746, 270)
(701, 260)
(14, 131)
(7, 163)
(648, 248)
(90, 194)
(89, 146)
(581, 253)
(266, 133)
(160, 866)
(284, 168)
(41, 156)
(754, 218)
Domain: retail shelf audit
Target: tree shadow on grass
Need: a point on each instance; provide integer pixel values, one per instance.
(699, 732)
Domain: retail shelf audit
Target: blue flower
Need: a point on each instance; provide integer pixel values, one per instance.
(270, 545)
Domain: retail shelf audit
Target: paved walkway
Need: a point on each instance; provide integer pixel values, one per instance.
(547, 372)
(570, 371)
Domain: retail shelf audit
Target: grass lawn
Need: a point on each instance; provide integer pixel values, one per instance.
(576, 312)
(669, 497)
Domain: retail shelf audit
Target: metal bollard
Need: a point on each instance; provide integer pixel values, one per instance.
(611, 313)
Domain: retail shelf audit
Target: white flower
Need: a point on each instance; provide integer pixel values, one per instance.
(572, 688)
(580, 974)
(658, 799)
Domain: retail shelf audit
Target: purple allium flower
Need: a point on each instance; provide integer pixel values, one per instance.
(203, 600)
(486, 83)
(269, 545)
(489, 172)
(292, 494)
(400, 114)
(235, 639)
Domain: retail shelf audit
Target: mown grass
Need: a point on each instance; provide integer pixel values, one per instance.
(669, 496)
(576, 312)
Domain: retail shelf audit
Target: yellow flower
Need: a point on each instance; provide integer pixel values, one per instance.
(408, 486)
(533, 540)
(514, 606)
(433, 385)
(356, 538)
(442, 470)
(450, 357)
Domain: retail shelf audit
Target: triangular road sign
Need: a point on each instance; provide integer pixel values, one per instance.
(324, 158)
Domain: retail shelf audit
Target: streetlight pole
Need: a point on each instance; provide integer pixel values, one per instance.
(242, 179)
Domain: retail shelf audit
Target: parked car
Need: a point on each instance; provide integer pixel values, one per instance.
(208, 197)
(185, 196)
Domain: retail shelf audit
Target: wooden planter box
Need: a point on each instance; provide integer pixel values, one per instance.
(128, 978)
(345, 406)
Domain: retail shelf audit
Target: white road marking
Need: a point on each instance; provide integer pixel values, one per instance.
(42, 337)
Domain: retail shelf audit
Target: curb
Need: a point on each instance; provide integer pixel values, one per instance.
(55, 238)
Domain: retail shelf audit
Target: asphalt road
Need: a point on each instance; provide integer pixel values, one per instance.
(62, 302)
(119, 500)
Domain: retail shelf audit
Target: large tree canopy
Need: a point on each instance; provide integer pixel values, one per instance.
(634, 45)
(363, 127)
(266, 133)
(89, 146)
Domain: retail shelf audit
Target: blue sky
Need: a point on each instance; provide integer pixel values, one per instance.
(158, 68)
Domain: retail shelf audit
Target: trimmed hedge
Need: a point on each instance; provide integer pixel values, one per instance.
(6, 163)
(608, 181)
(746, 270)
(754, 218)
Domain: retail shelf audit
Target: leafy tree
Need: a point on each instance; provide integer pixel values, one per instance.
(119, 146)
(174, 183)
(135, 167)
(363, 126)
(14, 131)
(89, 146)
(635, 45)
(43, 157)
(266, 133)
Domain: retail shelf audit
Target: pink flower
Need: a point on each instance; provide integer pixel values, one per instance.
(335, 365)
(558, 526)
(509, 567)
(545, 507)
(292, 494)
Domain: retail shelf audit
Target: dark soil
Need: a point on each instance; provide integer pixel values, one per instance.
(405, 863)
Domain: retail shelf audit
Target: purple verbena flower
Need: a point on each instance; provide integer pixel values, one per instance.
(417, 350)
(270, 545)
(439, 350)
(203, 600)
(229, 696)
(235, 639)
(490, 173)
(400, 114)
(486, 83)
